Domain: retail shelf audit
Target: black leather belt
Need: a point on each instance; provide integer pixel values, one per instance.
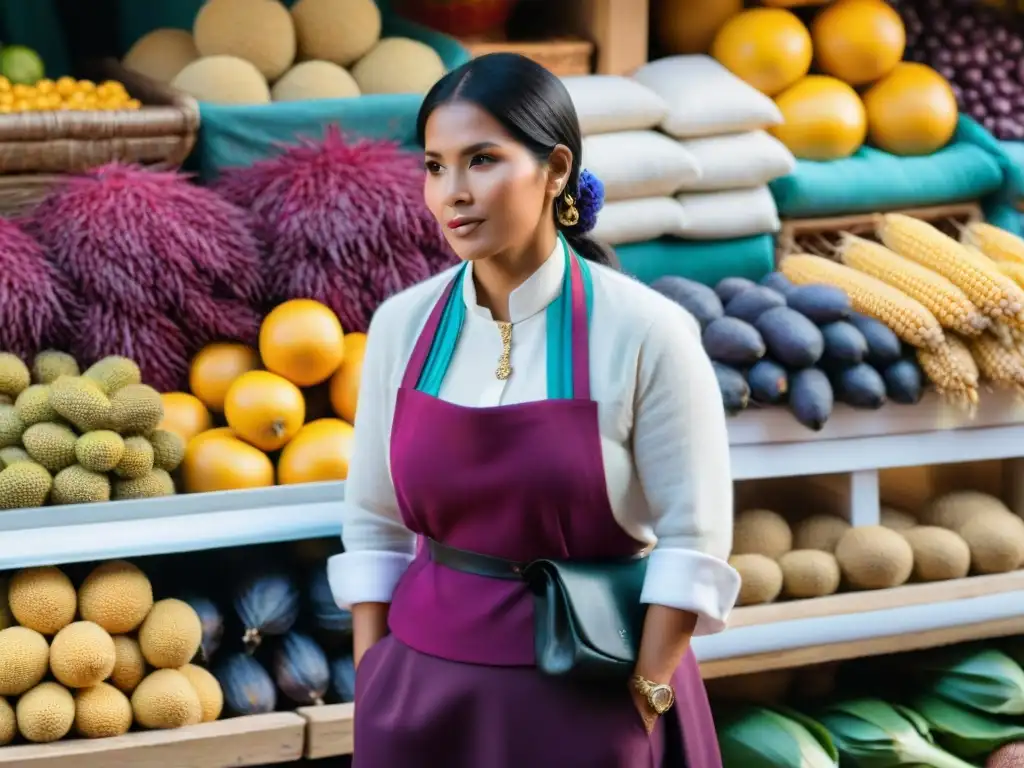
(475, 563)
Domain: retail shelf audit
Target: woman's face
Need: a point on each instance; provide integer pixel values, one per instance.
(487, 191)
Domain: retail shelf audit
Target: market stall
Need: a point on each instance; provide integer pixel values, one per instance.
(182, 393)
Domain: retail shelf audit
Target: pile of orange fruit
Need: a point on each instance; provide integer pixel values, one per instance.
(64, 94)
(281, 414)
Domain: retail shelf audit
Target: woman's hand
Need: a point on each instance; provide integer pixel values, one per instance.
(649, 716)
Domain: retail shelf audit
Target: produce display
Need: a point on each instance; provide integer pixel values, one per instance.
(979, 51)
(64, 94)
(287, 408)
(952, 708)
(244, 53)
(97, 659)
(77, 438)
(956, 534)
(905, 108)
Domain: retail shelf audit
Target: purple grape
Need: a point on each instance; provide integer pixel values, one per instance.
(1014, 46)
(987, 88)
(989, 123)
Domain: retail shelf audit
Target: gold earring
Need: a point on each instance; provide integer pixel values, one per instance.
(568, 216)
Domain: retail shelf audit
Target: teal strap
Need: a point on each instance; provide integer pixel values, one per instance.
(559, 334)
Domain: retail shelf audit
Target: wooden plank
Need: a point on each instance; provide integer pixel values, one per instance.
(257, 740)
(878, 600)
(329, 730)
(617, 27)
(878, 646)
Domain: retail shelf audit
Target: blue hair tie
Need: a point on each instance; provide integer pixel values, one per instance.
(589, 202)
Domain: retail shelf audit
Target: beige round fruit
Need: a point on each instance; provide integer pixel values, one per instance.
(340, 31)
(24, 660)
(102, 712)
(129, 664)
(223, 80)
(939, 554)
(398, 65)
(258, 31)
(820, 531)
(161, 54)
(46, 713)
(8, 723)
(170, 635)
(82, 655)
(760, 579)
(874, 557)
(761, 532)
(315, 80)
(117, 596)
(808, 573)
(42, 599)
(166, 699)
(211, 697)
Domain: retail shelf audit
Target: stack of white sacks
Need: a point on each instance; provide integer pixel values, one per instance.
(682, 151)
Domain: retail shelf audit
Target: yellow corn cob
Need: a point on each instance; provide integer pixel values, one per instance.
(996, 243)
(963, 360)
(979, 279)
(945, 368)
(1000, 365)
(907, 318)
(1012, 270)
(937, 294)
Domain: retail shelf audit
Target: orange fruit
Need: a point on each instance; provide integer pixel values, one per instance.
(184, 414)
(320, 451)
(216, 367)
(264, 409)
(224, 463)
(345, 381)
(303, 341)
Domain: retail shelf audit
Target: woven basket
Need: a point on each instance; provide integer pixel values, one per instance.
(821, 236)
(36, 149)
(563, 56)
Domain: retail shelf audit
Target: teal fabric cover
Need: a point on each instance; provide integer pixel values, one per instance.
(37, 24)
(970, 168)
(706, 261)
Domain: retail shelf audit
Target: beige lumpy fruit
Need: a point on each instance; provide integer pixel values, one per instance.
(43, 599)
(821, 532)
(129, 664)
(101, 712)
(8, 723)
(874, 557)
(211, 697)
(166, 699)
(939, 553)
(46, 713)
(761, 532)
(171, 634)
(760, 579)
(808, 573)
(82, 655)
(117, 596)
(24, 659)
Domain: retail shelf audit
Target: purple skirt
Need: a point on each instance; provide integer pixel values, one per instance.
(420, 711)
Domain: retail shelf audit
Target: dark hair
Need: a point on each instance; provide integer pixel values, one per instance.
(534, 106)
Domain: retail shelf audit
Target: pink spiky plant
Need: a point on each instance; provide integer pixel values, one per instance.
(343, 222)
(160, 266)
(35, 299)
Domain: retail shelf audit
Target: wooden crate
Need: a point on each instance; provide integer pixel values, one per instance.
(821, 236)
(563, 56)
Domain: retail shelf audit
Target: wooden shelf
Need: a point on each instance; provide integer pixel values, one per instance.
(257, 740)
(328, 730)
(859, 624)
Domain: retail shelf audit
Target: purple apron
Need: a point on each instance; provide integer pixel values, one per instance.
(453, 685)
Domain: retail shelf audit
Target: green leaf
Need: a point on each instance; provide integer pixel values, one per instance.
(816, 729)
(920, 724)
(963, 732)
(768, 739)
(987, 680)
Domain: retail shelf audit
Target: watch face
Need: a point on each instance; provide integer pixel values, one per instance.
(662, 699)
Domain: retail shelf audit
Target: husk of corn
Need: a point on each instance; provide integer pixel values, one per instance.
(995, 242)
(991, 291)
(869, 733)
(986, 680)
(1013, 270)
(936, 293)
(964, 732)
(907, 317)
(768, 738)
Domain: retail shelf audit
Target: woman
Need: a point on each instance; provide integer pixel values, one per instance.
(530, 403)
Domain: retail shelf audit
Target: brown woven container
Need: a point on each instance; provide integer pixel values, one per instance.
(821, 236)
(36, 149)
(562, 56)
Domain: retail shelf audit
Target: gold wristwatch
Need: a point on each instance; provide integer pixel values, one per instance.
(660, 697)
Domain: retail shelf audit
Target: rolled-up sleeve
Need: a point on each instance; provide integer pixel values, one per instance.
(378, 546)
(681, 450)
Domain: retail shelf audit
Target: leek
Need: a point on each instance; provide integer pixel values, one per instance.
(986, 680)
(872, 734)
(755, 736)
(963, 732)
